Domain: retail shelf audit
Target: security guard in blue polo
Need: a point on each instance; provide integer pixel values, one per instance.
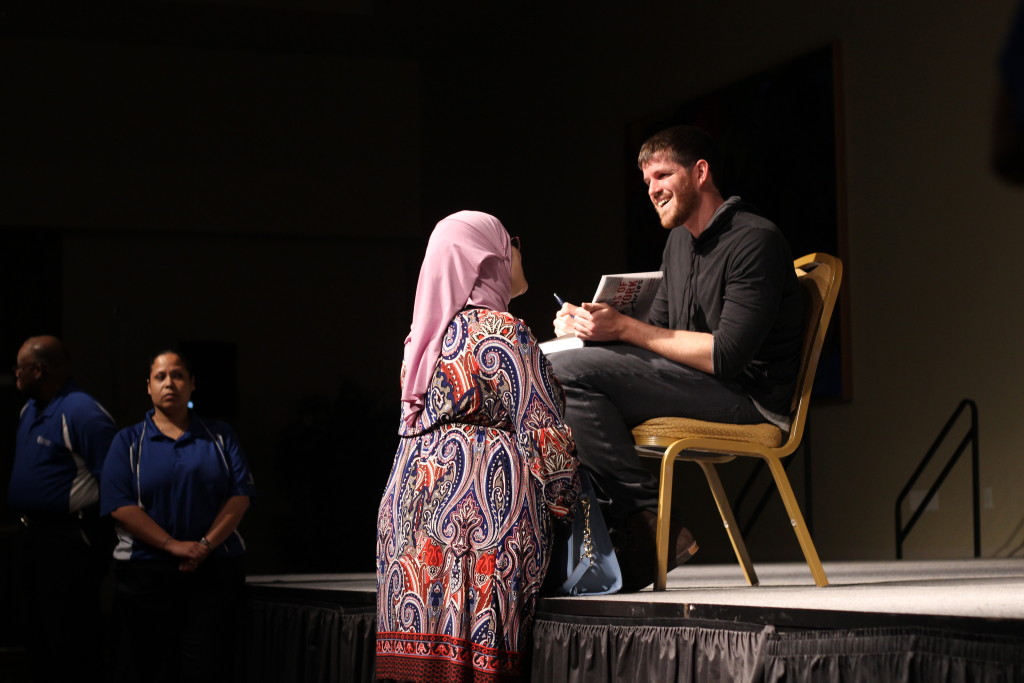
(62, 440)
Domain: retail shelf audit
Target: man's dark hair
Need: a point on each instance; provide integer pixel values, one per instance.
(686, 145)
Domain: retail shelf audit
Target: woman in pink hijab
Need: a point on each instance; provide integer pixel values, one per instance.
(484, 463)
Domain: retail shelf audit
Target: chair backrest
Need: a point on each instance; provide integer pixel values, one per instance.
(820, 276)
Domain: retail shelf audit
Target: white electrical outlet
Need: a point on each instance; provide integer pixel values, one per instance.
(986, 498)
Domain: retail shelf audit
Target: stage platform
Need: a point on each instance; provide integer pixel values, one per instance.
(941, 620)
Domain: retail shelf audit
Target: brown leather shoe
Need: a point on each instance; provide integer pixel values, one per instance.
(637, 549)
(685, 545)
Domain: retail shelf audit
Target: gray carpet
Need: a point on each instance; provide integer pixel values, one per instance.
(988, 588)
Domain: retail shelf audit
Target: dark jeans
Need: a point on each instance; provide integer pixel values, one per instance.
(177, 626)
(611, 388)
(66, 559)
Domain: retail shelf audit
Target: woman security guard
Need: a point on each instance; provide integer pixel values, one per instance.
(176, 485)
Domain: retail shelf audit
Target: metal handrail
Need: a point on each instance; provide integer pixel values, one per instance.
(971, 437)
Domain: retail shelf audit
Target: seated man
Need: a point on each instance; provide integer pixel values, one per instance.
(721, 343)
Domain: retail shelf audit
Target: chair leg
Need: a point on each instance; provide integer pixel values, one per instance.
(729, 520)
(796, 518)
(664, 519)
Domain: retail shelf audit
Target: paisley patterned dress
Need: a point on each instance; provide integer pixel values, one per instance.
(464, 528)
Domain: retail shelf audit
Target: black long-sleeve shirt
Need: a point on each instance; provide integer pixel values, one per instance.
(737, 282)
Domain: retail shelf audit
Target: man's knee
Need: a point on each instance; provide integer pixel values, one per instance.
(567, 365)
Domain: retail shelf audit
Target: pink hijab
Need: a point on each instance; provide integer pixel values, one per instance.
(468, 261)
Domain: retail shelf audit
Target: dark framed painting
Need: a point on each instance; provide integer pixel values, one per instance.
(781, 137)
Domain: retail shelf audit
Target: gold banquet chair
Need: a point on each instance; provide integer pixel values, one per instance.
(711, 443)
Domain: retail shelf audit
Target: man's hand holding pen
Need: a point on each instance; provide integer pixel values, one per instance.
(564, 319)
(589, 321)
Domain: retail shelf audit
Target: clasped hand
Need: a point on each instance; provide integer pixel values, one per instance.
(589, 321)
(192, 553)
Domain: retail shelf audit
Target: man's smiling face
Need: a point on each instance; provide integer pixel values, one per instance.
(671, 189)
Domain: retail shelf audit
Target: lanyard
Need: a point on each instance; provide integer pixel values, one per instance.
(135, 456)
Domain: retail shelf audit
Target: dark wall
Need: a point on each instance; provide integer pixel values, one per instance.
(264, 181)
(209, 190)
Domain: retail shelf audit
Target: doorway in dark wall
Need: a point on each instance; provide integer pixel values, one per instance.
(215, 366)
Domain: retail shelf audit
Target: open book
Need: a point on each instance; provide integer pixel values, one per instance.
(630, 293)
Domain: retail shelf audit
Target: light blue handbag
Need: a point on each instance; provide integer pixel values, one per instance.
(582, 558)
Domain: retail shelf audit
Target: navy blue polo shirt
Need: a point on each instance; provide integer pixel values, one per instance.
(181, 484)
(59, 454)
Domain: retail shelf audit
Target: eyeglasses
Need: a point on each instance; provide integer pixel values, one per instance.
(517, 243)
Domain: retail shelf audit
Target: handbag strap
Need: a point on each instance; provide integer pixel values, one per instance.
(586, 551)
